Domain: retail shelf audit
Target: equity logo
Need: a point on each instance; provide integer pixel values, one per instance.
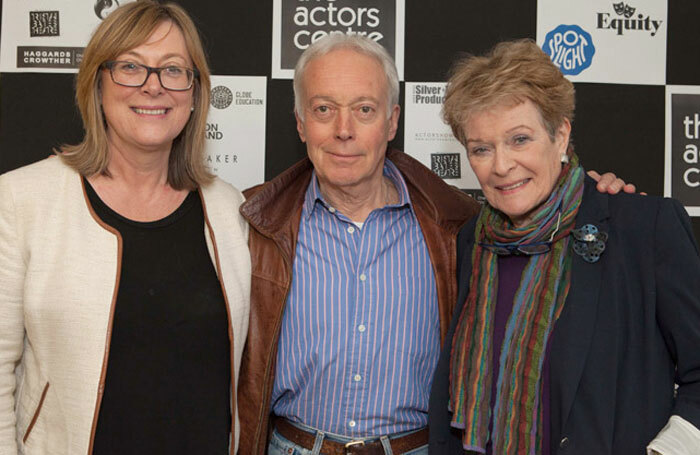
(625, 21)
(570, 47)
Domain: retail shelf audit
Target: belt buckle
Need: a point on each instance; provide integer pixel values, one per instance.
(352, 445)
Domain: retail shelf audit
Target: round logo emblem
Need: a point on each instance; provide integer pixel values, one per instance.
(570, 48)
(221, 97)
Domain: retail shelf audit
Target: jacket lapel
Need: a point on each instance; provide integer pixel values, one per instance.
(574, 330)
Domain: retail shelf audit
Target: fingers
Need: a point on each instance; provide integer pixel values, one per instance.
(611, 184)
(594, 175)
(629, 188)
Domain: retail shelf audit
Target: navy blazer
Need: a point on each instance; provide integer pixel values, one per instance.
(630, 327)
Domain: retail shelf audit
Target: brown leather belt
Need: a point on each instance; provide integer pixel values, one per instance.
(305, 439)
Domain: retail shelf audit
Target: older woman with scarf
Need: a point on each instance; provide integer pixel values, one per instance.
(577, 310)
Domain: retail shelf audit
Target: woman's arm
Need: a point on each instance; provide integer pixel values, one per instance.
(12, 270)
(677, 269)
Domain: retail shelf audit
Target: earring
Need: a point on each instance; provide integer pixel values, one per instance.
(565, 158)
(192, 109)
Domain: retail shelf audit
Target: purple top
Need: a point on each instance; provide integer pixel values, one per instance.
(510, 269)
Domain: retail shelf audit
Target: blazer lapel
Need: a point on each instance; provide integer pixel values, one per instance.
(574, 330)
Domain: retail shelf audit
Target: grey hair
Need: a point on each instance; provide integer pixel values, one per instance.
(357, 43)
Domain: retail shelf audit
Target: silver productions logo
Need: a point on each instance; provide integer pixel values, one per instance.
(624, 20)
(306, 21)
(221, 97)
(43, 23)
(104, 7)
(428, 94)
(570, 47)
(685, 141)
(446, 165)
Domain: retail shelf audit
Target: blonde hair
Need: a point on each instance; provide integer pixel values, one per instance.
(126, 28)
(511, 72)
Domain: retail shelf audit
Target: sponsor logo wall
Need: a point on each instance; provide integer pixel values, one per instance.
(605, 41)
(429, 140)
(298, 23)
(682, 180)
(236, 129)
(597, 42)
(48, 36)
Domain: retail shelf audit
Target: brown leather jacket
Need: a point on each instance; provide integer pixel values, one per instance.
(273, 211)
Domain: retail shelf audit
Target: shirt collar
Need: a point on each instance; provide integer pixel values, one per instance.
(313, 196)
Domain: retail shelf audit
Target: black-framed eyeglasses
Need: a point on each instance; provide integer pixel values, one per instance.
(528, 249)
(171, 77)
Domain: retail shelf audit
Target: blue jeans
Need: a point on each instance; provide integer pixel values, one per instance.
(279, 445)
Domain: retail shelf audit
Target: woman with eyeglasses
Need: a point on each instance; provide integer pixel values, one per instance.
(125, 273)
(577, 310)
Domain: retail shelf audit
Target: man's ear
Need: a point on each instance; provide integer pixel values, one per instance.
(300, 127)
(394, 121)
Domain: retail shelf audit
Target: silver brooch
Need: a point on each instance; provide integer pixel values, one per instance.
(589, 242)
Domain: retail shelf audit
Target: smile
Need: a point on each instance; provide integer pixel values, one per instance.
(342, 157)
(139, 110)
(513, 186)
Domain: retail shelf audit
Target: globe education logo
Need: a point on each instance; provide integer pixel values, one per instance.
(570, 47)
(221, 97)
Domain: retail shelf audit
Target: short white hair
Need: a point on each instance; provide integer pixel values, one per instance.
(357, 43)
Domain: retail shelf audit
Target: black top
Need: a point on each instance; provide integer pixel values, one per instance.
(167, 388)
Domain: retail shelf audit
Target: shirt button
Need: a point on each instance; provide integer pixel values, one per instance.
(361, 328)
(351, 229)
(564, 443)
(363, 277)
(352, 424)
(331, 209)
(357, 378)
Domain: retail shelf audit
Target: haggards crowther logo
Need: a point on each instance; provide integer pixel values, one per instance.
(570, 47)
(625, 22)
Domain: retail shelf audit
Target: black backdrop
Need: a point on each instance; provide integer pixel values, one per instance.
(619, 128)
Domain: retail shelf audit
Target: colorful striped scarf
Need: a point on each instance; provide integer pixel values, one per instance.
(538, 301)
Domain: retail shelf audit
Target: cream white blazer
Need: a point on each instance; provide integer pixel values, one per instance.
(59, 275)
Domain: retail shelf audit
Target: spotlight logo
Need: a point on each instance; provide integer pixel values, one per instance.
(624, 20)
(570, 47)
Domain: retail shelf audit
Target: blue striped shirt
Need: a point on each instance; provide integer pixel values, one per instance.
(360, 334)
